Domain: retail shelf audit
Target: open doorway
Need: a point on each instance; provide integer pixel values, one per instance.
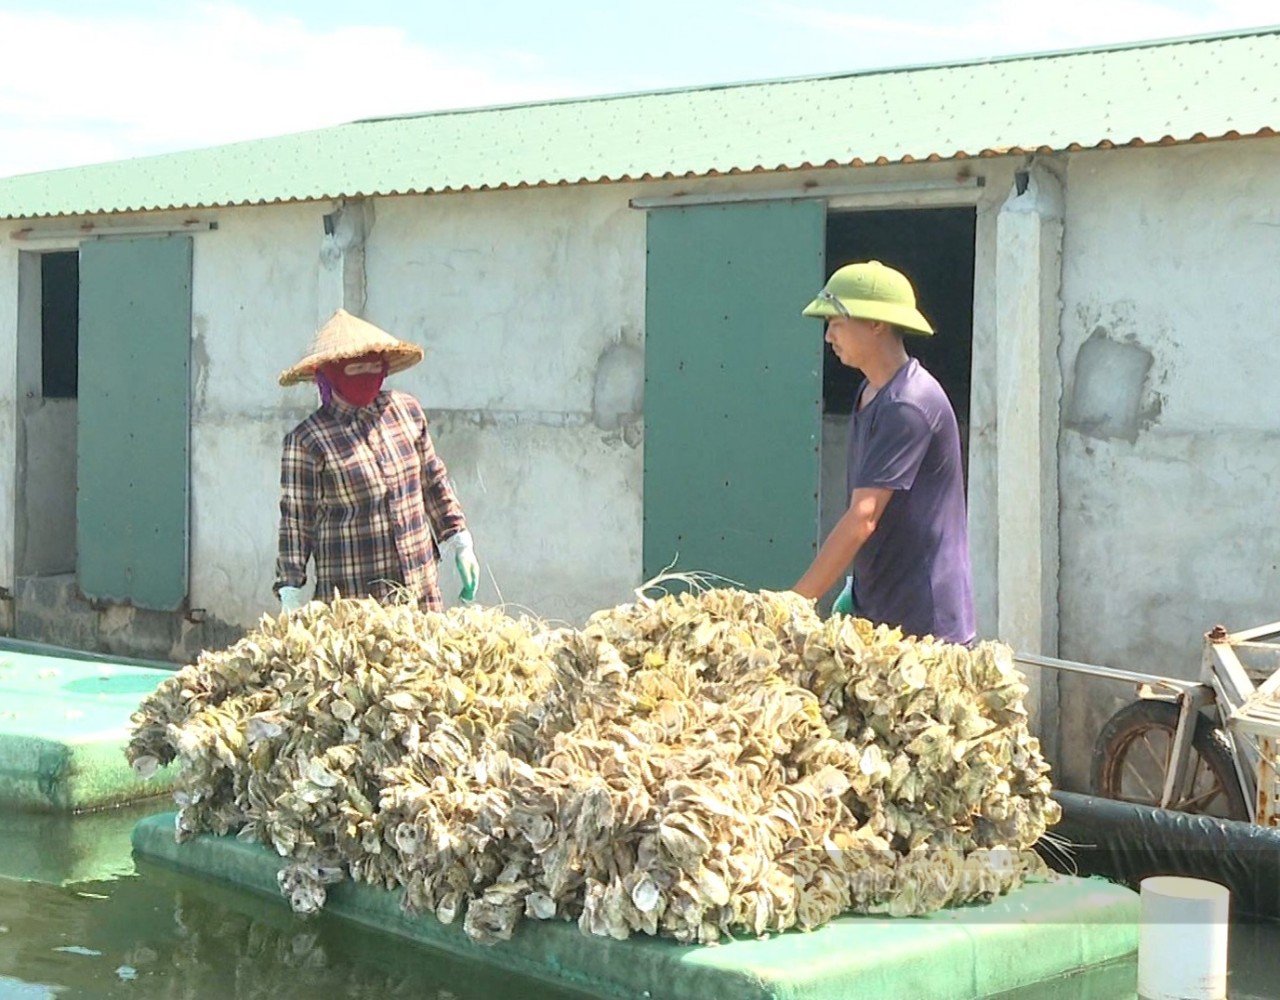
(48, 359)
(935, 248)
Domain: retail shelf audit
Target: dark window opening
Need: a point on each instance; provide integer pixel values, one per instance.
(935, 249)
(60, 325)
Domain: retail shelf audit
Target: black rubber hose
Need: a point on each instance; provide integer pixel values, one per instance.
(1127, 843)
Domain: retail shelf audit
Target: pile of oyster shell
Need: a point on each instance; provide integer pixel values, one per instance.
(697, 766)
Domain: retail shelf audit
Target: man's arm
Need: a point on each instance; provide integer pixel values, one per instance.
(894, 454)
(846, 539)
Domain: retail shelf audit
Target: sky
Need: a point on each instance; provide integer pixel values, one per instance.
(83, 81)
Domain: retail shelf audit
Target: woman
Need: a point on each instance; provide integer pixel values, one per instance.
(362, 491)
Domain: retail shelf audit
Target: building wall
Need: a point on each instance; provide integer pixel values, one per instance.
(9, 318)
(531, 307)
(254, 303)
(253, 311)
(1170, 442)
(46, 500)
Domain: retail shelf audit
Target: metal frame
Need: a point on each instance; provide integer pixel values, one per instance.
(1190, 697)
(1107, 673)
(1250, 714)
(1253, 716)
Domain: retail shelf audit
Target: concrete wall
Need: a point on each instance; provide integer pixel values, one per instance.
(253, 309)
(253, 314)
(531, 307)
(46, 529)
(1170, 445)
(9, 320)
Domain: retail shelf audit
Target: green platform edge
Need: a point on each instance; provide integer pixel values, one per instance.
(64, 724)
(1039, 933)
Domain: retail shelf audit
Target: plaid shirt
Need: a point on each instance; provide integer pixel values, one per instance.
(363, 492)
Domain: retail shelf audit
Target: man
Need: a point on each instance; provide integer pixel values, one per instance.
(362, 491)
(905, 531)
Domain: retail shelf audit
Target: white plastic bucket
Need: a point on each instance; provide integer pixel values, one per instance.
(1182, 939)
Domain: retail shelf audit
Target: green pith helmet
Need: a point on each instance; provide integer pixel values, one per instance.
(870, 291)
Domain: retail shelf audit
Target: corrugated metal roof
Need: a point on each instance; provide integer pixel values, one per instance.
(1162, 92)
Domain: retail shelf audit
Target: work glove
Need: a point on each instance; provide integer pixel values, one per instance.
(844, 603)
(463, 551)
(291, 599)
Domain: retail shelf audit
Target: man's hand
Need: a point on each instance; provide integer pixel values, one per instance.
(844, 603)
(463, 551)
(846, 538)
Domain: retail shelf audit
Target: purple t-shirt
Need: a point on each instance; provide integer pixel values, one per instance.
(914, 569)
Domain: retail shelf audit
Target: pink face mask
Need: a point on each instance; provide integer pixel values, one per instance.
(357, 380)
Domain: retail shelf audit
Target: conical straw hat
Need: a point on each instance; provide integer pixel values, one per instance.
(346, 336)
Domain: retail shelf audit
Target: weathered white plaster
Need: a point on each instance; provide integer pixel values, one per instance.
(1172, 252)
(984, 406)
(1028, 266)
(1028, 389)
(341, 280)
(556, 514)
(254, 306)
(46, 532)
(530, 305)
(516, 295)
(8, 402)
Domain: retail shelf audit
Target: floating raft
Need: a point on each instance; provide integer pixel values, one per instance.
(64, 723)
(1038, 934)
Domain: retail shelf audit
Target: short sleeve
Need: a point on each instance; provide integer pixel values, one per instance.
(895, 449)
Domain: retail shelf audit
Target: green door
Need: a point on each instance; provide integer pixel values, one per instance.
(733, 391)
(134, 420)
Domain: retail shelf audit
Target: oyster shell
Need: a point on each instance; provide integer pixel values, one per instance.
(697, 765)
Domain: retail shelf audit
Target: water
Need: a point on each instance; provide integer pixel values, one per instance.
(98, 924)
(80, 918)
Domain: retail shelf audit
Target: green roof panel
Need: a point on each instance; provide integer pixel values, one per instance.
(1171, 91)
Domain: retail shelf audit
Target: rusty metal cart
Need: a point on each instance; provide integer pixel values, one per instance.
(1210, 746)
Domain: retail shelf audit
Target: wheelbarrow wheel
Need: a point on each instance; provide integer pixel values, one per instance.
(1131, 759)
